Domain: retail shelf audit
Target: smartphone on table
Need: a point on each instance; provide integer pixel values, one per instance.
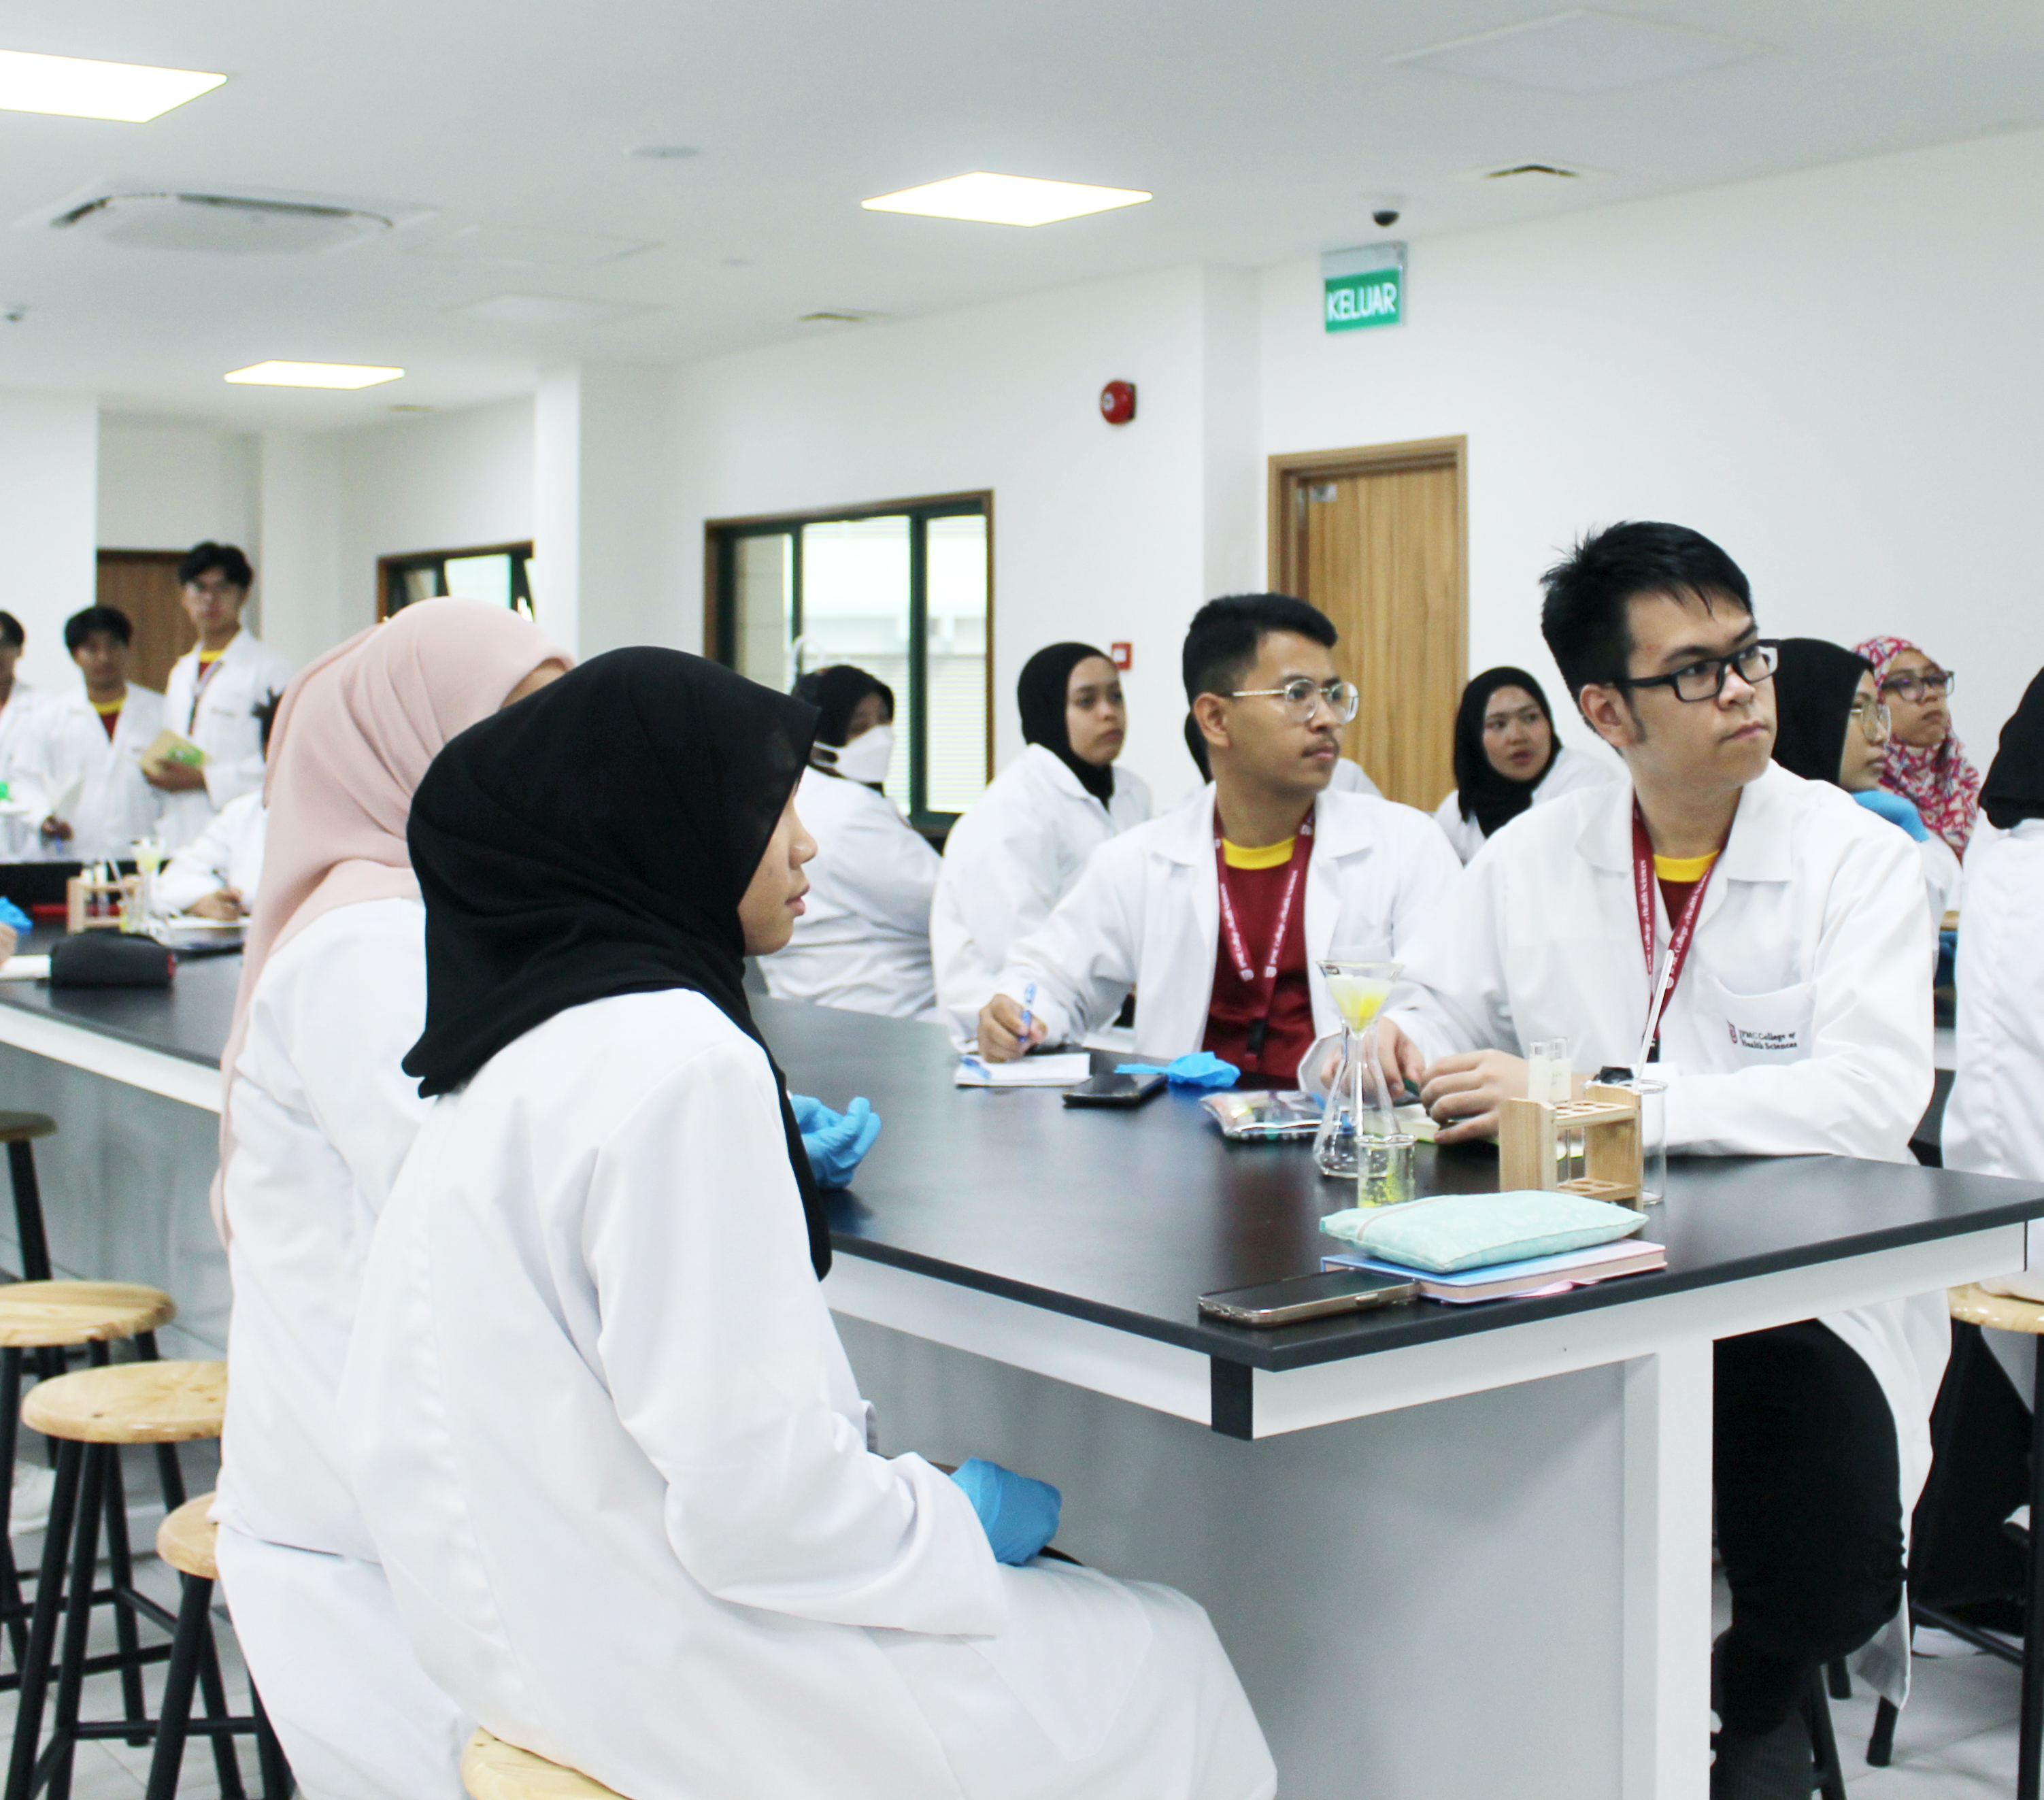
(1307, 1296)
(1114, 1090)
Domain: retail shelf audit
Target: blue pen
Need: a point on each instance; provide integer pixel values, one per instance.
(1028, 1001)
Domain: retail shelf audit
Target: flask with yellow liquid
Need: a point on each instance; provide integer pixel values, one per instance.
(1359, 1105)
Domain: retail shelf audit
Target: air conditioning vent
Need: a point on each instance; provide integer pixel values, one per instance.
(148, 216)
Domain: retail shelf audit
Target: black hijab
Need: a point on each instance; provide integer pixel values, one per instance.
(596, 839)
(2015, 787)
(1813, 687)
(1046, 679)
(1482, 793)
(836, 693)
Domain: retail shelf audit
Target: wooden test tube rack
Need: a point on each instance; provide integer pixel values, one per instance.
(1529, 1137)
(115, 899)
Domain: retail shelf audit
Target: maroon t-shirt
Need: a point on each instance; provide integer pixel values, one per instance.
(1236, 1006)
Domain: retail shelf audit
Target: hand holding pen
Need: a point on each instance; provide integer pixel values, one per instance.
(1007, 1031)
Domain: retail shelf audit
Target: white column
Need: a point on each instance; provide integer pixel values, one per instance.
(49, 520)
(297, 553)
(606, 557)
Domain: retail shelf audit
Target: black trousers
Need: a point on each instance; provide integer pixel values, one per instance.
(1809, 1517)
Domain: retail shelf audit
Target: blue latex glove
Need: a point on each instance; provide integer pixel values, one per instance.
(11, 914)
(1018, 1515)
(1894, 809)
(836, 1142)
(1199, 1069)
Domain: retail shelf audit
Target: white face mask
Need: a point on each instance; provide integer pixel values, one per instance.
(864, 759)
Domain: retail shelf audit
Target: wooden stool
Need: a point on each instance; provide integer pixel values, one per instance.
(1973, 1305)
(91, 1413)
(42, 1319)
(18, 1130)
(493, 1770)
(185, 1539)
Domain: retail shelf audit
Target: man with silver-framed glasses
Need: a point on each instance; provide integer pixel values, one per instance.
(1756, 940)
(1219, 914)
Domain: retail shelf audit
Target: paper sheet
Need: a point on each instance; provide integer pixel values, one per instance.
(1065, 1071)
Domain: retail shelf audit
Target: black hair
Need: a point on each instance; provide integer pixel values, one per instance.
(11, 631)
(1584, 616)
(264, 711)
(835, 692)
(80, 626)
(227, 557)
(1222, 641)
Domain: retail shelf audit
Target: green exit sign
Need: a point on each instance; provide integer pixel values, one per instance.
(1361, 289)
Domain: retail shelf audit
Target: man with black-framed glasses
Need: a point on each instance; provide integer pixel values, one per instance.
(1758, 939)
(1219, 914)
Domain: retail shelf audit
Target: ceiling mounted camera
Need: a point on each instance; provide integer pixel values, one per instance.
(1386, 216)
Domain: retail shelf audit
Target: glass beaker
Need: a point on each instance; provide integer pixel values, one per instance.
(1358, 1102)
(150, 856)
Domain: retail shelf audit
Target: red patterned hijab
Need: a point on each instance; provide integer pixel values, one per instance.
(1943, 785)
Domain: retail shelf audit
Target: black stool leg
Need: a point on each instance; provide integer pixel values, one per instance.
(1826, 1776)
(279, 1783)
(1880, 1747)
(29, 1211)
(1839, 1678)
(11, 1606)
(121, 1571)
(78, 1622)
(170, 1472)
(2031, 1746)
(43, 1623)
(174, 1718)
(227, 1765)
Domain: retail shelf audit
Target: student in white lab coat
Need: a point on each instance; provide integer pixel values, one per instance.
(864, 943)
(1018, 848)
(212, 694)
(1507, 759)
(1220, 913)
(602, 1426)
(319, 1117)
(215, 876)
(21, 708)
(1833, 725)
(85, 762)
(1798, 1023)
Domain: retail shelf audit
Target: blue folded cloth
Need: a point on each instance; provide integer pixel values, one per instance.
(11, 914)
(1199, 1069)
(1895, 810)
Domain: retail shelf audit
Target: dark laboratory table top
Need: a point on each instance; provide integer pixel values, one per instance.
(1126, 1217)
(189, 1019)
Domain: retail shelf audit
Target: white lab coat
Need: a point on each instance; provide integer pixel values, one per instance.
(618, 1466)
(1942, 876)
(19, 722)
(115, 806)
(323, 1116)
(1146, 914)
(1350, 778)
(229, 853)
(1011, 858)
(1994, 1121)
(221, 719)
(1801, 1025)
(863, 942)
(1571, 771)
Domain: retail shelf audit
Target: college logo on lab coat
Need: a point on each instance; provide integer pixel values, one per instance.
(1776, 1041)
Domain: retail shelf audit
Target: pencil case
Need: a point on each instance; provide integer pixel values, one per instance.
(110, 959)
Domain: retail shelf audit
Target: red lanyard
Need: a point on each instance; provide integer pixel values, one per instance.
(203, 673)
(1681, 931)
(1265, 987)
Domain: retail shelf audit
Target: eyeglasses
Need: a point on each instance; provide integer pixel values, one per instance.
(1873, 721)
(1924, 684)
(1705, 679)
(1303, 698)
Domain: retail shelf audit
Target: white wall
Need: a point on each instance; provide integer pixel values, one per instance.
(1839, 375)
(49, 479)
(167, 486)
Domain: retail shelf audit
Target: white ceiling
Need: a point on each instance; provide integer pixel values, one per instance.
(1265, 130)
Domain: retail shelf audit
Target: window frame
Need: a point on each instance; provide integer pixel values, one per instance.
(390, 571)
(719, 638)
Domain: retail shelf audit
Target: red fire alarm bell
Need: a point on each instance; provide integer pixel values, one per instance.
(1117, 402)
(1124, 654)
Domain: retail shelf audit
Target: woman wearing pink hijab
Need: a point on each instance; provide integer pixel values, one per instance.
(318, 1117)
(1927, 764)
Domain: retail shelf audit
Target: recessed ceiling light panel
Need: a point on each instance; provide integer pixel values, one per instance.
(1580, 52)
(78, 89)
(999, 199)
(312, 374)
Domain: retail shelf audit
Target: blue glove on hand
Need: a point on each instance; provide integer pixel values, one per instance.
(1894, 809)
(1018, 1515)
(11, 914)
(836, 1142)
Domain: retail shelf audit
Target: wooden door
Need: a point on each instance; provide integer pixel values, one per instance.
(1375, 539)
(144, 584)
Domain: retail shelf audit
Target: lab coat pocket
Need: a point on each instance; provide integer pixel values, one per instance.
(1765, 1030)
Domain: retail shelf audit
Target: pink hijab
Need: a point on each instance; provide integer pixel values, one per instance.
(352, 737)
(1942, 785)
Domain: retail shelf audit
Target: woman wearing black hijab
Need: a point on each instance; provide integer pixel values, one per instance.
(864, 943)
(598, 1415)
(1021, 846)
(1507, 759)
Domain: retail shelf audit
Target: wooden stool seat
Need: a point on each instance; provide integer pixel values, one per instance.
(493, 1770)
(38, 1315)
(131, 1403)
(18, 1128)
(1998, 1312)
(186, 1538)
